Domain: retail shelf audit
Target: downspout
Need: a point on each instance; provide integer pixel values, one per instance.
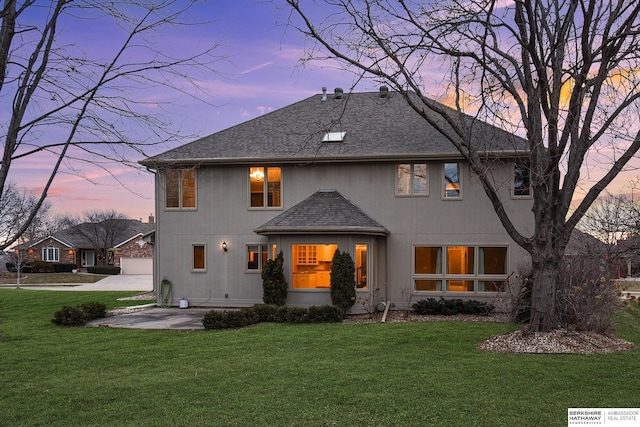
(387, 305)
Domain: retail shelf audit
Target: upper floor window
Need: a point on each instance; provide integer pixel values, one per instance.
(180, 188)
(51, 254)
(451, 181)
(412, 180)
(521, 179)
(265, 185)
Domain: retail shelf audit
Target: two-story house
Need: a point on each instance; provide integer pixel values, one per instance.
(359, 172)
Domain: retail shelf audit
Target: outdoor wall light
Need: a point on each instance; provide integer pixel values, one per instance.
(224, 246)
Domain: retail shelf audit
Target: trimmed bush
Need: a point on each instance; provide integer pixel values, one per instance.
(451, 307)
(64, 268)
(26, 268)
(104, 269)
(274, 283)
(232, 319)
(343, 282)
(42, 267)
(324, 314)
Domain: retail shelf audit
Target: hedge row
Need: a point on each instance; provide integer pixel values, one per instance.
(80, 315)
(42, 267)
(451, 307)
(230, 319)
(104, 269)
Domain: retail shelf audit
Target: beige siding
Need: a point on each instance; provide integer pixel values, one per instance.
(222, 214)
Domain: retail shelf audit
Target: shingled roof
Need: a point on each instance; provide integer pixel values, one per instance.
(326, 211)
(375, 128)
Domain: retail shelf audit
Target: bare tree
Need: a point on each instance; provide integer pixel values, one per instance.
(102, 229)
(15, 204)
(562, 73)
(86, 105)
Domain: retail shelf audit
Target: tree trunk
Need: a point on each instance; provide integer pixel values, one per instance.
(544, 317)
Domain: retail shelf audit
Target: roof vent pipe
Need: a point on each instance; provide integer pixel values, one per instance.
(324, 93)
(384, 91)
(338, 93)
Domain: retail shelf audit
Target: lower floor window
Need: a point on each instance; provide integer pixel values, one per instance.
(199, 257)
(51, 254)
(257, 256)
(311, 265)
(460, 268)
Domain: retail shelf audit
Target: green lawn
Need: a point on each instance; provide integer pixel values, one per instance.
(394, 374)
(49, 278)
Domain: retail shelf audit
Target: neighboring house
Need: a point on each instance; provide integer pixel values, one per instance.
(358, 172)
(128, 244)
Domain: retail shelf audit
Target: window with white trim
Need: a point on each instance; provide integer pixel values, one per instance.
(452, 187)
(258, 255)
(265, 187)
(199, 257)
(460, 268)
(51, 254)
(180, 189)
(521, 180)
(412, 179)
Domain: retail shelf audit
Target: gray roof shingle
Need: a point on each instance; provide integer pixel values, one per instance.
(326, 211)
(376, 128)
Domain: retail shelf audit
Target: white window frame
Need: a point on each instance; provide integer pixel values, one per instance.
(265, 188)
(193, 258)
(529, 194)
(55, 253)
(269, 248)
(444, 182)
(411, 192)
(180, 190)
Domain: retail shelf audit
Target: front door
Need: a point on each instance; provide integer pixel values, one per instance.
(88, 258)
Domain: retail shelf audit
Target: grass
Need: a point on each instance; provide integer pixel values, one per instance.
(394, 374)
(49, 278)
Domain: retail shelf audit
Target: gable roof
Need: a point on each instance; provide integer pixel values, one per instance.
(326, 211)
(78, 235)
(374, 128)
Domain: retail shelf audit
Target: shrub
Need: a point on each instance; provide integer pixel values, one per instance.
(42, 267)
(26, 267)
(69, 316)
(64, 268)
(93, 310)
(274, 283)
(343, 282)
(324, 314)
(80, 315)
(451, 307)
(232, 319)
(104, 269)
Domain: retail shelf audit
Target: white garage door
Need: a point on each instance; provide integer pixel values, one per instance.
(136, 265)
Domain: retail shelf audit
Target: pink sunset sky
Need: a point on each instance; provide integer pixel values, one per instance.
(259, 71)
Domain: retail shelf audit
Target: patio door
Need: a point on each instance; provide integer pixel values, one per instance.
(88, 258)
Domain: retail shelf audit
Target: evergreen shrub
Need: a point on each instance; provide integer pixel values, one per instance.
(343, 282)
(451, 307)
(104, 269)
(274, 283)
